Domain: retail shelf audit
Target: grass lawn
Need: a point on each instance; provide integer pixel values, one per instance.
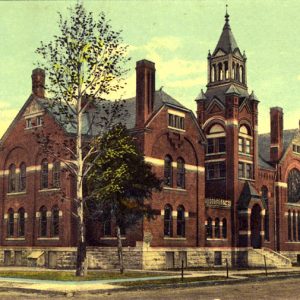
(70, 275)
(171, 280)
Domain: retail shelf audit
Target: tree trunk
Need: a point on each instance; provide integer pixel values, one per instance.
(120, 250)
(81, 263)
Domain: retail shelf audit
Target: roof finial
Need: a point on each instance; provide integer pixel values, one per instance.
(226, 15)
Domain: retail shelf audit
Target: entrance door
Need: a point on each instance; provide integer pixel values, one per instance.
(255, 226)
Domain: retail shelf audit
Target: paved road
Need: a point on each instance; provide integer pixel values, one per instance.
(273, 290)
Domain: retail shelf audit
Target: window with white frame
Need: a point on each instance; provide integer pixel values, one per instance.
(216, 141)
(245, 140)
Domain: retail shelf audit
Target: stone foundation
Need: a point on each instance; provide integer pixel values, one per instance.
(294, 256)
(143, 257)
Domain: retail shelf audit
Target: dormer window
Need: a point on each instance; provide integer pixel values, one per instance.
(176, 120)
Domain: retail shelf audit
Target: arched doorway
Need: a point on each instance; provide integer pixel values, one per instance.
(255, 225)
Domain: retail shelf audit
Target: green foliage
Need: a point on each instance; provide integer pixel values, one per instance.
(121, 182)
(85, 63)
(70, 276)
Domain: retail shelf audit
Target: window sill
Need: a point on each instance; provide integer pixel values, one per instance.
(167, 238)
(247, 179)
(48, 238)
(111, 238)
(15, 239)
(219, 178)
(16, 193)
(49, 190)
(167, 188)
(33, 127)
(177, 129)
(245, 154)
(215, 153)
(216, 239)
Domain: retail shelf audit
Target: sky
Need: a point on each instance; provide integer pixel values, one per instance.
(176, 35)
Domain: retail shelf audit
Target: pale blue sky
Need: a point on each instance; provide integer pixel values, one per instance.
(176, 35)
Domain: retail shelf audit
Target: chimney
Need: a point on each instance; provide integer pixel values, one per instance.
(38, 82)
(276, 147)
(145, 91)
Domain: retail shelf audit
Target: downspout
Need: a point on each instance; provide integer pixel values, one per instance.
(197, 207)
(275, 208)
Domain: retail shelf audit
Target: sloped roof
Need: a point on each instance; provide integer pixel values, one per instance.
(227, 42)
(264, 142)
(232, 90)
(219, 92)
(264, 165)
(249, 192)
(103, 109)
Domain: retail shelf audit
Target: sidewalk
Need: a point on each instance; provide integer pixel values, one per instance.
(102, 286)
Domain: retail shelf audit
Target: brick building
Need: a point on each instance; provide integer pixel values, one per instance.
(228, 191)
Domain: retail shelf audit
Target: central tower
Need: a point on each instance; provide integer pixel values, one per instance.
(228, 116)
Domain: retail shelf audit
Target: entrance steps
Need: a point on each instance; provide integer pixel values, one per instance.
(273, 259)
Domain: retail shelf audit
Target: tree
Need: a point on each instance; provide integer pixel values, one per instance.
(120, 183)
(85, 64)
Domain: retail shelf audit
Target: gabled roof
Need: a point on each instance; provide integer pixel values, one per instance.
(220, 90)
(227, 42)
(248, 193)
(97, 113)
(232, 90)
(264, 143)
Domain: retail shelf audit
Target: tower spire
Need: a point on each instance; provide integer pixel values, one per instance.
(226, 18)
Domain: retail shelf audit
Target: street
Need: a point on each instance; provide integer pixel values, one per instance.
(274, 289)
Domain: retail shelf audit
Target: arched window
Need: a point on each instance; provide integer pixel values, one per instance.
(44, 174)
(220, 72)
(180, 173)
(56, 174)
(264, 196)
(12, 179)
(180, 221)
(209, 231)
(217, 228)
(294, 186)
(289, 226)
(10, 223)
(168, 178)
(226, 70)
(55, 221)
(244, 140)
(294, 227)
(43, 221)
(168, 224)
(242, 74)
(233, 70)
(212, 73)
(21, 222)
(216, 145)
(22, 177)
(237, 72)
(224, 229)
